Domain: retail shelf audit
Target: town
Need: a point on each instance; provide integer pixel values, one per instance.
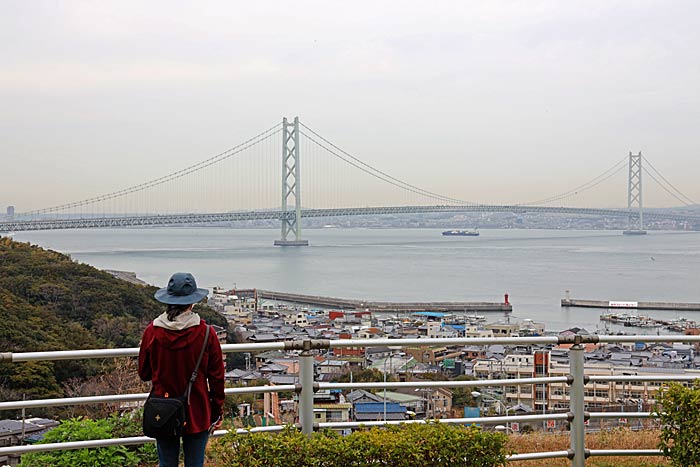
(254, 320)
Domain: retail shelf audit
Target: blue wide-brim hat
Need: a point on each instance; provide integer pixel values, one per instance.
(181, 290)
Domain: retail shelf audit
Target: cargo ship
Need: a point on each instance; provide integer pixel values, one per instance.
(461, 233)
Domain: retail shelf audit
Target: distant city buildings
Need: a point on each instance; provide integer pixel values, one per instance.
(497, 220)
(10, 212)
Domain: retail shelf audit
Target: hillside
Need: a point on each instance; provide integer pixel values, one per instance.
(49, 302)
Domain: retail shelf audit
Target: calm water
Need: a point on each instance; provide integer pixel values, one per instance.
(534, 267)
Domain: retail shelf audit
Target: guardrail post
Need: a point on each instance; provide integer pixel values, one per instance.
(576, 403)
(306, 396)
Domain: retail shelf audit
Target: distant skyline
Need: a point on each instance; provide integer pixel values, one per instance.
(497, 102)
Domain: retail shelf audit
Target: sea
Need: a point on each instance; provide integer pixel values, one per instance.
(535, 268)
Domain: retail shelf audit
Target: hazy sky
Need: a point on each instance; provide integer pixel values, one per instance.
(495, 101)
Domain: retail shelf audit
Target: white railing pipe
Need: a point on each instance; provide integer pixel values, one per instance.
(306, 395)
(625, 452)
(444, 384)
(641, 378)
(531, 456)
(577, 404)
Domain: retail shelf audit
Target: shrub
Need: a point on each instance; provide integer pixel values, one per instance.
(83, 429)
(407, 445)
(677, 408)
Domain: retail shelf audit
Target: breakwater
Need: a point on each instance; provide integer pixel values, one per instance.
(374, 306)
(571, 302)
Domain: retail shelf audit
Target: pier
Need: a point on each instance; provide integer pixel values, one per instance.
(375, 306)
(571, 302)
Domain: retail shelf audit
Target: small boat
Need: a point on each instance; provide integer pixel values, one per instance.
(461, 233)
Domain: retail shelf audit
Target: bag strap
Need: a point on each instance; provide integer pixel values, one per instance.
(196, 367)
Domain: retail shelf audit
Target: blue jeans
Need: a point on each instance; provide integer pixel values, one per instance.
(193, 445)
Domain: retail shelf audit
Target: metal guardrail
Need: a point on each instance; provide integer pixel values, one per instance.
(576, 379)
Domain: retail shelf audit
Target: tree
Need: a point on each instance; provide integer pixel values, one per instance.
(36, 379)
(118, 377)
(367, 375)
(677, 409)
(50, 302)
(462, 396)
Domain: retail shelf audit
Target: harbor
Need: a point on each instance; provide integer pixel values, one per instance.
(453, 318)
(640, 321)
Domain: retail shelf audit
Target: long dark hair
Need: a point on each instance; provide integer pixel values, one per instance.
(175, 310)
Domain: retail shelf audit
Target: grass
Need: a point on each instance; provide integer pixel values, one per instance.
(613, 439)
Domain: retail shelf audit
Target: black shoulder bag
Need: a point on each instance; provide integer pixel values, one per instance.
(165, 417)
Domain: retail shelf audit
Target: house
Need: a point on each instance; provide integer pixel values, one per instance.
(376, 411)
(272, 368)
(410, 398)
(376, 353)
(476, 331)
(291, 364)
(359, 396)
(297, 319)
(356, 351)
(520, 409)
(430, 329)
(333, 367)
(282, 379)
(370, 333)
(573, 331)
(433, 355)
(503, 329)
(237, 375)
(394, 364)
(263, 337)
(332, 413)
(221, 333)
(471, 352)
(264, 357)
(15, 432)
(438, 403)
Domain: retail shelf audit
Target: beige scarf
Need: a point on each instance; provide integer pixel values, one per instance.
(182, 321)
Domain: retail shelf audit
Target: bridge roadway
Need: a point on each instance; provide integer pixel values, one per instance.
(194, 218)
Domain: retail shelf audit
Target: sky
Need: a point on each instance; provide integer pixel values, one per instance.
(493, 101)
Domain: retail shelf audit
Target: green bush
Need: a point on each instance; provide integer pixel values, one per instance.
(407, 445)
(677, 408)
(83, 429)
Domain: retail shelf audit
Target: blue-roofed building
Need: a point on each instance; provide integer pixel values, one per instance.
(431, 314)
(374, 411)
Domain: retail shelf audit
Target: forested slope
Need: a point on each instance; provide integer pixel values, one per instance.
(49, 302)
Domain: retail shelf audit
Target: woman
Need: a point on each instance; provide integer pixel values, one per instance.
(169, 350)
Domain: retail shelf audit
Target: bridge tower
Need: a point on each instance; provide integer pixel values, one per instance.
(634, 196)
(291, 186)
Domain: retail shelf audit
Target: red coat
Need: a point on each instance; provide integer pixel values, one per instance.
(167, 358)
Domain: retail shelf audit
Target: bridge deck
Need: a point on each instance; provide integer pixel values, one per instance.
(17, 225)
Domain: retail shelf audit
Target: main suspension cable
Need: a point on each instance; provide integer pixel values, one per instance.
(666, 189)
(355, 162)
(167, 178)
(687, 203)
(386, 178)
(614, 170)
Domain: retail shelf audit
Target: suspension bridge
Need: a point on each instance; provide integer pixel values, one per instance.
(251, 182)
